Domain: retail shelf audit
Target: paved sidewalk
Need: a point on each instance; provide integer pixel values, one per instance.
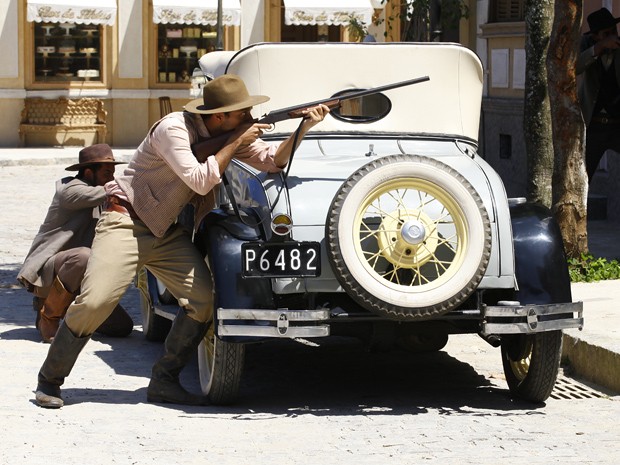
(51, 155)
(593, 353)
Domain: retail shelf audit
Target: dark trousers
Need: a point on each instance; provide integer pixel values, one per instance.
(599, 138)
(69, 267)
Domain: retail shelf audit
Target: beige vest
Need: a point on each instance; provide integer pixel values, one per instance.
(156, 193)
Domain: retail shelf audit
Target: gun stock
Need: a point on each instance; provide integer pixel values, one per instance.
(205, 148)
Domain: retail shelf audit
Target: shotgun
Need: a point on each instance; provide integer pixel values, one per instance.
(203, 149)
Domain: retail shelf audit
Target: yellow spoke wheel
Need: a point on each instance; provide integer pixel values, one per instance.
(420, 246)
(408, 236)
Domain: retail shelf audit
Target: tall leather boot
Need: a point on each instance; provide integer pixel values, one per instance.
(118, 324)
(60, 359)
(54, 308)
(182, 341)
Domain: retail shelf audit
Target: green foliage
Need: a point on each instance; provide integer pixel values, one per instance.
(586, 268)
(357, 29)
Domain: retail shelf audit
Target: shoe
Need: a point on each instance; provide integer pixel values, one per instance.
(58, 364)
(171, 392)
(45, 400)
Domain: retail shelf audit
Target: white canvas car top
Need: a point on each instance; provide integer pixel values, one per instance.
(213, 64)
(296, 73)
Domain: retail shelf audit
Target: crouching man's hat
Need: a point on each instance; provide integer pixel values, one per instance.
(94, 155)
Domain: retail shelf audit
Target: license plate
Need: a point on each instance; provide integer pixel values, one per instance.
(281, 260)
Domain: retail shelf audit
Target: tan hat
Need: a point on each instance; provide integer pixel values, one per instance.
(93, 155)
(222, 94)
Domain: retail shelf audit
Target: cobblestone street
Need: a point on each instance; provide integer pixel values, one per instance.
(332, 404)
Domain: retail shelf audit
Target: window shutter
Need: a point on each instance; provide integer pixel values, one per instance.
(509, 10)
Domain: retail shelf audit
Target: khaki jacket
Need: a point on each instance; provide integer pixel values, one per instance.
(69, 223)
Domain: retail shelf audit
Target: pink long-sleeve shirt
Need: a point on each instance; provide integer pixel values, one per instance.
(164, 175)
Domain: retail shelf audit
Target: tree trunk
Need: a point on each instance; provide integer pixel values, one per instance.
(570, 182)
(537, 113)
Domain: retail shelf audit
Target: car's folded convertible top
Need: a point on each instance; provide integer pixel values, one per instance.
(296, 73)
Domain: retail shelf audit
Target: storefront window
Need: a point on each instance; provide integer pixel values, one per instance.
(67, 52)
(179, 48)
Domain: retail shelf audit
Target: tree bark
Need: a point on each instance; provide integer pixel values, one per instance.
(570, 182)
(536, 112)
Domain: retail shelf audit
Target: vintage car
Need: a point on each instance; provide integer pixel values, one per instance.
(387, 225)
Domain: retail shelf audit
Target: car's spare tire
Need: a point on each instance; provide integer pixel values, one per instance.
(408, 237)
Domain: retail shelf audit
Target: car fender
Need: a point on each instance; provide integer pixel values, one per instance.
(541, 268)
(219, 238)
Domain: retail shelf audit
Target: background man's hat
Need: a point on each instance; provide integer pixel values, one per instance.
(93, 155)
(601, 19)
(224, 93)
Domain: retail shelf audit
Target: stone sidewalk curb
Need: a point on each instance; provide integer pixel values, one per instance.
(592, 362)
(52, 155)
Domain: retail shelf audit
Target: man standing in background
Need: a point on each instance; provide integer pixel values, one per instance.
(599, 88)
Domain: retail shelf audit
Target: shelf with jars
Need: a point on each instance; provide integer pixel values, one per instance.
(67, 52)
(178, 50)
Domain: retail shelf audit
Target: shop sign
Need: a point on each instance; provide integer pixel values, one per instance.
(85, 16)
(204, 17)
(323, 17)
(330, 12)
(73, 11)
(199, 12)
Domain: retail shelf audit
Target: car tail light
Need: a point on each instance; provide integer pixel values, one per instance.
(281, 224)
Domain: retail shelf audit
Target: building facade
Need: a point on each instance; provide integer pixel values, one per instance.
(501, 47)
(127, 54)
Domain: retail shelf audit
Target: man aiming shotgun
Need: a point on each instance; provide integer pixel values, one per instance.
(206, 147)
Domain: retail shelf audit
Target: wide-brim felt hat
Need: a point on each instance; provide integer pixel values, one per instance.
(600, 20)
(223, 94)
(94, 155)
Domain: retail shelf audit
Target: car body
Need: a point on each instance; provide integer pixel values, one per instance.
(387, 225)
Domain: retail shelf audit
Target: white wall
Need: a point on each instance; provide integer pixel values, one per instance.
(130, 39)
(252, 22)
(9, 39)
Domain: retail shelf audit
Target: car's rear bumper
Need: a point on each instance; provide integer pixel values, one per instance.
(272, 323)
(514, 318)
(507, 318)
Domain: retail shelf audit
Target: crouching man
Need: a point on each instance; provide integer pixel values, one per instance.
(56, 262)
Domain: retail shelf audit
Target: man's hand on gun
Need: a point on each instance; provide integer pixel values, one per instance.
(247, 133)
(314, 115)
